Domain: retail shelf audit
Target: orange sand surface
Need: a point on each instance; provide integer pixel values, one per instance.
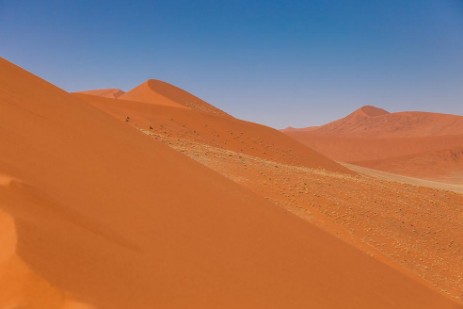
(223, 132)
(332, 199)
(157, 92)
(112, 218)
(416, 144)
(370, 121)
(416, 227)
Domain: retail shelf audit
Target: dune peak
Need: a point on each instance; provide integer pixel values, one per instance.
(158, 92)
(154, 82)
(371, 111)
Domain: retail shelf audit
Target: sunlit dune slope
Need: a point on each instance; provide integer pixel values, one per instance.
(225, 132)
(161, 93)
(118, 220)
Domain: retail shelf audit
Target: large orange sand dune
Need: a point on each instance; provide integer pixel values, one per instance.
(161, 93)
(394, 142)
(117, 220)
(364, 211)
(215, 130)
(370, 121)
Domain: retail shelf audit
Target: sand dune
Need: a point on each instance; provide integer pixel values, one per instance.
(394, 142)
(370, 121)
(117, 220)
(107, 93)
(144, 93)
(400, 217)
(225, 132)
(161, 93)
(340, 197)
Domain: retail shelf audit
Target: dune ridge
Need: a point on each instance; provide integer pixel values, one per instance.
(21, 287)
(392, 142)
(225, 132)
(371, 121)
(161, 93)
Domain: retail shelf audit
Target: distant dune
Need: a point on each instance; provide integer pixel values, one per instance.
(215, 130)
(161, 93)
(370, 135)
(370, 121)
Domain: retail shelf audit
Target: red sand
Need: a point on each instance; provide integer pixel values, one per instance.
(370, 121)
(416, 241)
(117, 220)
(417, 227)
(393, 142)
(161, 93)
(215, 130)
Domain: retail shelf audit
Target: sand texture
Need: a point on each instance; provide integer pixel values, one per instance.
(97, 214)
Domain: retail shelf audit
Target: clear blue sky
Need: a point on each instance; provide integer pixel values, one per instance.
(279, 63)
